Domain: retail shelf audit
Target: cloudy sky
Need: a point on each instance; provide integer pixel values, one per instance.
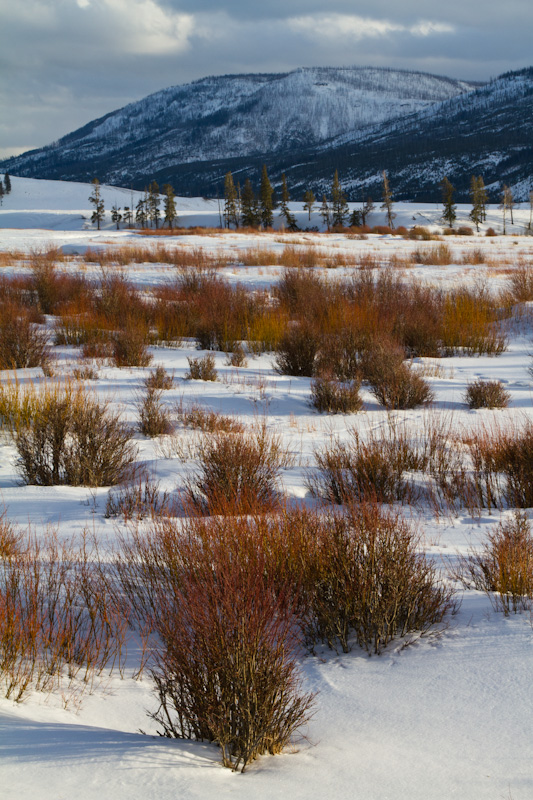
(66, 62)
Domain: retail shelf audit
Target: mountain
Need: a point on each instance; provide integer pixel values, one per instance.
(181, 133)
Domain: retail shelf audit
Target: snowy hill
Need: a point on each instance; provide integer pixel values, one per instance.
(214, 118)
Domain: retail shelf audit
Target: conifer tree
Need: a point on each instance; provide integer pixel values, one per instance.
(231, 216)
(290, 219)
(387, 200)
(169, 205)
(266, 195)
(154, 202)
(339, 206)
(449, 212)
(128, 216)
(482, 196)
(1, 193)
(96, 199)
(140, 213)
(355, 218)
(309, 201)
(250, 213)
(116, 216)
(7, 183)
(530, 209)
(476, 215)
(325, 212)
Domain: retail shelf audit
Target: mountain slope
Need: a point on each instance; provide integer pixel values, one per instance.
(216, 117)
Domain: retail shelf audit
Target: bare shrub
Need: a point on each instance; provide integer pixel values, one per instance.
(438, 255)
(138, 499)
(335, 397)
(202, 369)
(10, 537)
(130, 348)
(72, 439)
(521, 283)
(394, 383)
(297, 351)
(504, 566)
(370, 580)
(159, 379)
(238, 472)
(154, 418)
(227, 671)
(366, 468)
(22, 343)
(237, 356)
(199, 418)
(465, 230)
(59, 616)
(486, 394)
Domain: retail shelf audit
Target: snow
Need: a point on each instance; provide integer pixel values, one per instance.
(446, 717)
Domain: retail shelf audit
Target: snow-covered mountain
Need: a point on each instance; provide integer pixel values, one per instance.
(215, 118)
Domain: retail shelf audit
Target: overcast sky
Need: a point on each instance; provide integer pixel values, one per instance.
(66, 62)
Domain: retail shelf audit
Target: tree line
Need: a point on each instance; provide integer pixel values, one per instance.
(248, 208)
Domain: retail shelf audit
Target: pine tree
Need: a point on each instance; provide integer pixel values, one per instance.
(387, 200)
(128, 216)
(169, 205)
(482, 197)
(530, 209)
(290, 219)
(154, 202)
(140, 213)
(325, 212)
(1, 193)
(355, 218)
(116, 216)
(96, 199)
(449, 212)
(476, 215)
(7, 183)
(366, 209)
(250, 213)
(231, 216)
(266, 195)
(309, 201)
(339, 206)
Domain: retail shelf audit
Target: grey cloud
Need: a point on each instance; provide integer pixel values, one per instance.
(65, 62)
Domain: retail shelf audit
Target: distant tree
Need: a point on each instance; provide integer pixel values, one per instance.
(367, 208)
(1, 193)
(387, 200)
(482, 196)
(266, 197)
(154, 203)
(128, 216)
(506, 204)
(309, 201)
(290, 219)
(96, 199)
(355, 218)
(116, 216)
(449, 212)
(325, 212)
(476, 215)
(530, 209)
(339, 206)
(169, 205)
(231, 216)
(250, 212)
(7, 183)
(140, 213)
